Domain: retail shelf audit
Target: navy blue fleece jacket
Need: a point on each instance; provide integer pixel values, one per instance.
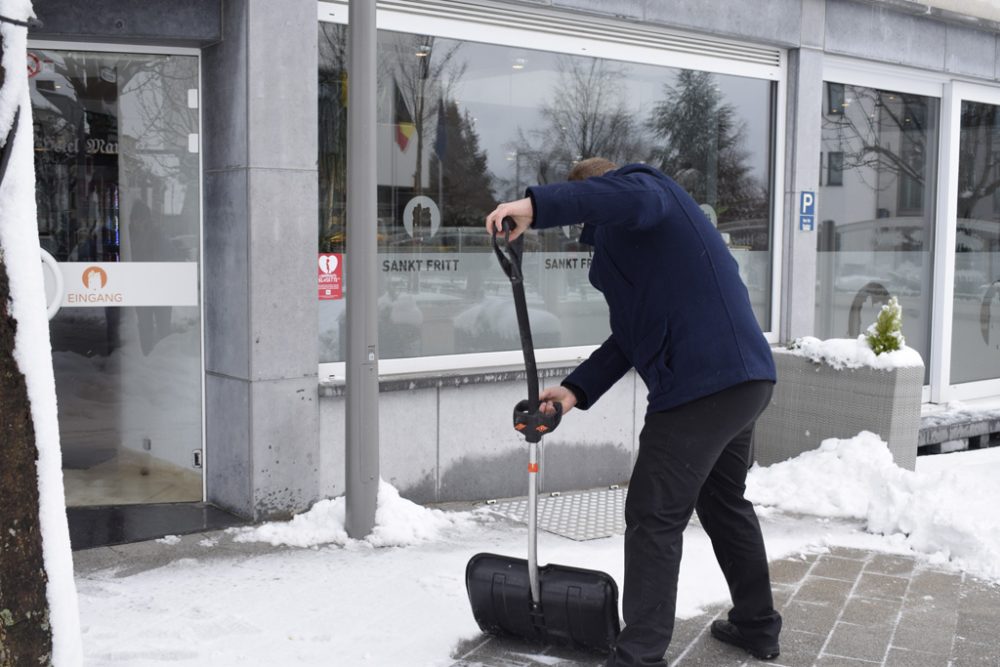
(680, 314)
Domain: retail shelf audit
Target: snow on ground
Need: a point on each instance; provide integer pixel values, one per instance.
(944, 510)
(354, 604)
(955, 412)
(331, 600)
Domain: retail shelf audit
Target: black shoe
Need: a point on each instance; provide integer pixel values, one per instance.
(728, 633)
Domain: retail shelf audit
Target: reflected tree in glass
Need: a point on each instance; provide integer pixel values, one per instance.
(85, 144)
(883, 133)
(585, 117)
(703, 148)
(979, 156)
(459, 169)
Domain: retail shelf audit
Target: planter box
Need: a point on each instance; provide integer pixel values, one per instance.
(814, 401)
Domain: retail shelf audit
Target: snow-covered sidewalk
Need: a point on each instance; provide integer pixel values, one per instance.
(246, 597)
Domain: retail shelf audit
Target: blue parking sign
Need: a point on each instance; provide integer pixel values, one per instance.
(807, 211)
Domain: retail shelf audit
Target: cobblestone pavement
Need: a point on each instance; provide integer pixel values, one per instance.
(845, 608)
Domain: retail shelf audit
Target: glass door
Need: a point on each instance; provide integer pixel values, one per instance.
(118, 194)
(975, 333)
(877, 202)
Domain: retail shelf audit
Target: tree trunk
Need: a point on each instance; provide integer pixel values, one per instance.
(25, 633)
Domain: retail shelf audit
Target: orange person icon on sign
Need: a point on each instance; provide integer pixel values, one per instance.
(94, 278)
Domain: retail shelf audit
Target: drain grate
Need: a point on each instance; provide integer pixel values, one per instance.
(588, 515)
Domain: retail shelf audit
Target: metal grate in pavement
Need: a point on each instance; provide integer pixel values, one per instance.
(579, 516)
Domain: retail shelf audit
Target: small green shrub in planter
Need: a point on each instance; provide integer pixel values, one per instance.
(886, 334)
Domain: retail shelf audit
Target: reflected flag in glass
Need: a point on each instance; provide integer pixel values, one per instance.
(403, 120)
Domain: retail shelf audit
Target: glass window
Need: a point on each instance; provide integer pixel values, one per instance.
(975, 342)
(875, 235)
(464, 125)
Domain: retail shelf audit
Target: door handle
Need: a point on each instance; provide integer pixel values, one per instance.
(52, 265)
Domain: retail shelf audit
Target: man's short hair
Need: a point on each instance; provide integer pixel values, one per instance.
(592, 166)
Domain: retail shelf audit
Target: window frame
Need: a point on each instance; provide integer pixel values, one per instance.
(634, 44)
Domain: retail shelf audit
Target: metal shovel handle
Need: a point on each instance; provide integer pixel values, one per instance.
(528, 419)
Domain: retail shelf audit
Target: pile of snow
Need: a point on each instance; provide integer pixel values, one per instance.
(928, 511)
(398, 523)
(852, 353)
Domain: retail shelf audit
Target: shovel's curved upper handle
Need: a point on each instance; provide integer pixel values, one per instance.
(510, 257)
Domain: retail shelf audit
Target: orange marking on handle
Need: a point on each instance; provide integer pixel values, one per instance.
(541, 428)
(519, 427)
(532, 467)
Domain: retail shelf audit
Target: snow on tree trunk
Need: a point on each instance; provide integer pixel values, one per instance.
(39, 620)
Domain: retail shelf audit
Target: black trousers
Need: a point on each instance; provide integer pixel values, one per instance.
(693, 458)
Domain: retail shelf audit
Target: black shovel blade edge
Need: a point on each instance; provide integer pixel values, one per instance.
(579, 607)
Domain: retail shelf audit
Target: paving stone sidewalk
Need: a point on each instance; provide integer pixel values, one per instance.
(845, 608)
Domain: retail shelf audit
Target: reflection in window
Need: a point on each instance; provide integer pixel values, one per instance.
(112, 157)
(835, 168)
(877, 211)
(835, 99)
(975, 346)
(465, 125)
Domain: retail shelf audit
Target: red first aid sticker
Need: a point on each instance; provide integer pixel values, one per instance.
(330, 276)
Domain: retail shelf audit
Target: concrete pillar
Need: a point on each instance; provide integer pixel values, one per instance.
(260, 230)
(802, 149)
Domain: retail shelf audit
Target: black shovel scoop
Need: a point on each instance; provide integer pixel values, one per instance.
(554, 604)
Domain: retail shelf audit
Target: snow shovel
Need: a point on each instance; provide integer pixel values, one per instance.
(554, 604)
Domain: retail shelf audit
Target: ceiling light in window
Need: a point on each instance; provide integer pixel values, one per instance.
(518, 63)
(423, 51)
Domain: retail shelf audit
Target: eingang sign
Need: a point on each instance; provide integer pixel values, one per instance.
(102, 284)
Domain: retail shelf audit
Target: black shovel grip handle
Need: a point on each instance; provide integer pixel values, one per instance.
(535, 423)
(528, 418)
(509, 255)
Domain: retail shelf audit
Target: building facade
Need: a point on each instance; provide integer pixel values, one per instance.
(191, 165)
